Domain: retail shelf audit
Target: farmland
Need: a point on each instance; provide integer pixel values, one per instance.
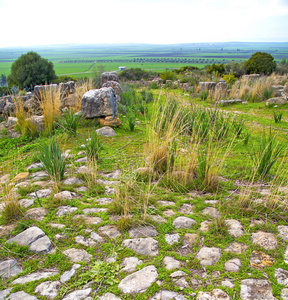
(82, 60)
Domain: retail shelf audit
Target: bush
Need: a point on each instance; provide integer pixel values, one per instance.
(167, 75)
(29, 70)
(64, 78)
(70, 122)
(260, 62)
(134, 74)
(220, 69)
(230, 78)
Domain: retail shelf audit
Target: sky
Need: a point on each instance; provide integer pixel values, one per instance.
(34, 22)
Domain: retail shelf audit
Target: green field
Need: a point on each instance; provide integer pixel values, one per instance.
(77, 59)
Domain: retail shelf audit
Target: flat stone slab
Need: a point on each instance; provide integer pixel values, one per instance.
(65, 195)
(90, 220)
(35, 276)
(21, 296)
(94, 210)
(260, 260)
(265, 239)
(9, 268)
(77, 255)
(186, 209)
(112, 175)
(4, 293)
(157, 219)
(78, 295)
(130, 264)
(64, 210)
(172, 238)
(107, 182)
(41, 245)
(236, 248)
(139, 281)
(146, 246)
(35, 166)
(28, 236)
(37, 213)
(283, 232)
(205, 225)
(26, 202)
(211, 212)
(282, 276)
(166, 203)
(147, 231)
(88, 242)
(110, 230)
(183, 222)
(233, 265)
(208, 255)
(104, 201)
(171, 263)
(109, 296)
(190, 239)
(48, 289)
(256, 289)
(167, 295)
(69, 274)
(41, 194)
(235, 228)
(215, 294)
(106, 131)
(72, 181)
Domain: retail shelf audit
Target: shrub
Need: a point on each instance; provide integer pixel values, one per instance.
(53, 161)
(131, 120)
(31, 69)
(64, 78)
(220, 69)
(167, 75)
(260, 62)
(70, 122)
(230, 78)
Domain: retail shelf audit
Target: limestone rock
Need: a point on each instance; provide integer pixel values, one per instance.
(256, 289)
(282, 276)
(205, 226)
(9, 268)
(235, 228)
(116, 87)
(169, 213)
(212, 212)
(167, 295)
(99, 103)
(208, 256)
(26, 202)
(186, 209)
(183, 222)
(65, 195)
(37, 213)
(21, 176)
(147, 231)
(130, 264)
(139, 281)
(41, 194)
(4, 293)
(110, 230)
(264, 239)
(109, 296)
(104, 201)
(41, 245)
(106, 131)
(63, 210)
(84, 241)
(276, 101)
(171, 263)
(78, 295)
(109, 76)
(283, 232)
(284, 294)
(216, 294)
(34, 276)
(110, 121)
(172, 238)
(260, 260)
(207, 85)
(77, 255)
(146, 246)
(233, 265)
(94, 210)
(190, 238)
(166, 203)
(21, 296)
(28, 236)
(236, 248)
(157, 219)
(69, 274)
(48, 289)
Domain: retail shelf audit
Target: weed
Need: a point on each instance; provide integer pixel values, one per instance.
(238, 126)
(93, 146)
(53, 161)
(277, 116)
(70, 122)
(204, 95)
(131, 120)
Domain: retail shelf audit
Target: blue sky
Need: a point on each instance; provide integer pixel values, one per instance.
(34, 22)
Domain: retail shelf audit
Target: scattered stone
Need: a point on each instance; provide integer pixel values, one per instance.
(172, 238)
(208, 256)
(48, 289)
(183, 222)
(64, 210)
(40, 194)
(157, 219)
(69, 274)
(212, 202)
(106, 131)
(21, 296)
(79, 160)
(107, 182)
(177, 274)
(81, 189)
(186, 209)
(84, 241)
(260, 260)
(35, 276)
(169, 213)
(41, 245)
(9, 268)
(28, 236)
(37, 213)
(109, 190)
(109, 296)
(233, 265)
(190, 238)
(283, 232)
(110, 121)
(166, 203)
(235, 228)
(77, 255)
(39, 175)
(78, 295)
(22, 185)
(113, 175)
(227, 283)
(282, 276)
(20, 176)
(96, 237)
(205, 226)
(264, 239)
(110, 230)
(65, 195)
(7, 229)
(256, 289)
(130, 264)
(38, 165)
(104, 201)
(109, 76)
(42, 184)
(171, 263)
(181, 282)
(4, 293)
(146, 246)
(284, 294)
(58, 226)
(84, 170)
(90, 220)
(147, 231)
(212, 212)
(276, 101)
(236, 248)
(286, 255)
(94, 210)
(167, 295)
(5, 179)
(215, 294)
(139, 281)
(26, 202)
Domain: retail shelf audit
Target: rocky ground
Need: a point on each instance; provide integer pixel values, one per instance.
(188, 248)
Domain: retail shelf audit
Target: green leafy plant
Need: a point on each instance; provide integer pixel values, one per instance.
(131, 120)
(277, 116)
(93, 146)
(70, 122)
(53, 161)
(238, 126)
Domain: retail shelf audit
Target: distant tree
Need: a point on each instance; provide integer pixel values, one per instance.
(238, 69)
(260, 62)
(220, 69)
(31, 69)
(282, 68)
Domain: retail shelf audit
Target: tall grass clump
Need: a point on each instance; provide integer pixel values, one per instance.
(266, 155)
(93, 146)
(81, 87)
(70, 122)
(24, 122)
(131, 120)
(53, 160)
(11, 209)
(277, 115)
(50, 106)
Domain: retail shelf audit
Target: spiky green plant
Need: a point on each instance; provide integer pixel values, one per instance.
(277, 116)
(93, 146)
(70, 122)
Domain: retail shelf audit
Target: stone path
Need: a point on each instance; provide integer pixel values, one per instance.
(171, 256)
